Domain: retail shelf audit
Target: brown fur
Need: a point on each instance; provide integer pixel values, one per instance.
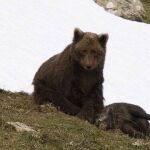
(129, 118)
(72, 80)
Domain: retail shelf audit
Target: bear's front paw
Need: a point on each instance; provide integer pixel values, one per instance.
(84, 116)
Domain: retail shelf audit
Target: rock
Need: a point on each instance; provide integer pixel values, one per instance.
(138, 143)
(128, 9)
(20, 127)
(47, 108)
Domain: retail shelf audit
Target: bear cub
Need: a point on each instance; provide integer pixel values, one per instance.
(130, 119)
(72, 80)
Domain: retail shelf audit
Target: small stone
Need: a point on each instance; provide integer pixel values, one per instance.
(71, 143)
(138, 143)
(20, 127)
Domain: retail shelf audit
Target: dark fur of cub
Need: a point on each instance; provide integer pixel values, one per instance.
(129, 118)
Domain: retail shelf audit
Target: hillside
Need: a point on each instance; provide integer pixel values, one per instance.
(56, 131)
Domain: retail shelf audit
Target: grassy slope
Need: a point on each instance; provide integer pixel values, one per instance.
(57, 131)
(146, 4)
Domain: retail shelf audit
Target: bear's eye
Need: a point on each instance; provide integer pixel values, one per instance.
(84, 51)
(94, 52)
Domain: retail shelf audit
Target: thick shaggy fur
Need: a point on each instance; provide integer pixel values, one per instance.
(129, 118)
(72, 80)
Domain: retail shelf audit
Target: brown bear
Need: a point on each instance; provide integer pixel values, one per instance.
(130, 119)
(72, 80)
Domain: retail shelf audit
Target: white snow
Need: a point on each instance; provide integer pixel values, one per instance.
(30, 31)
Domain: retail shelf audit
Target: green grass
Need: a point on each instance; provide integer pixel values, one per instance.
(146, 4)
(56, 130)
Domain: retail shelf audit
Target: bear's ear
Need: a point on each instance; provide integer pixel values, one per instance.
(78, 34)
(103, 38)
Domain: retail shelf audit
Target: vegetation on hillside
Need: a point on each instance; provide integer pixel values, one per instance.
(55, 130)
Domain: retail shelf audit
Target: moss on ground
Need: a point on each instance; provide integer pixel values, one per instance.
(56, 130)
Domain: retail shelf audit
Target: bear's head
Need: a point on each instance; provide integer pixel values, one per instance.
(88, 49)
(105, 120)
